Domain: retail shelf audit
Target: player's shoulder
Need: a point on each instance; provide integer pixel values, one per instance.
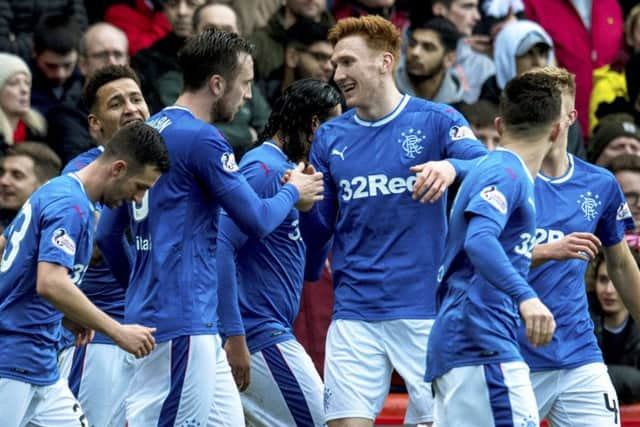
(61, 193)
(442, 111)
(593, 172)
(83, 159)
(266, 159)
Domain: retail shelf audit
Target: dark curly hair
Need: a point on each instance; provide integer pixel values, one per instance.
(293, 113)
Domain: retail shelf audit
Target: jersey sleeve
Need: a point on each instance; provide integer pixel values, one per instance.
(215, 166)
(494, 196)
(459, 140)
(110, 236)
(616, 217)
(62, 225)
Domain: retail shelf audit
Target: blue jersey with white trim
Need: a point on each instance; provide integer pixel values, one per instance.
(269, 270)
(477, 321)
(173, 282)
(55, 225)
(387, 246)
(98, 284)
(586, 199)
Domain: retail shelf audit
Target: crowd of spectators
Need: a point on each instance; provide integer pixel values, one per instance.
(460, 52)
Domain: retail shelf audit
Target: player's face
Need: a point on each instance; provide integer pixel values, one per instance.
(236, 92)
(126, 187)
(425, 54)
(57, 67)
(119, 103)
(17, 181)
(357, 71)
(179, 13)
(15, 95)
(618, 146)
(315, 62)
(630, 184)
(464, 15)
(607, 295)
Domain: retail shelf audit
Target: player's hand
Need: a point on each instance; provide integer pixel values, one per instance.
(432, 179)
(538, 320)
(83, 334)
(135, 339)
(239, 359)
(583, 246)
(309, 184)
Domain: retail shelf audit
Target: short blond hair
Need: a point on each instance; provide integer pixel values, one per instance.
(563, 78)
(378, 33)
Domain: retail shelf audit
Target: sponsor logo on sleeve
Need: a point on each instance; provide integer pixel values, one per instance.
(63, 241)
(229, 162)
(623, 211)
(495, 198)
(457, 133)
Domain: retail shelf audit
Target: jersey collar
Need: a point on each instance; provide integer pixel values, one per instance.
(386, 119)
(563, 178)
(524, 165)
(275, 147)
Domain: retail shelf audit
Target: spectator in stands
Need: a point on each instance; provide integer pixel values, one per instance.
(270, 41)
(481, 116)
(385, 8)
(18, 19)
(141, 20)
(157, 66)
(252, 117)
(618, 335)
(18, 121)
(424, 66)
(307, 55)
(616, 134)
(632, 77)
(626, 168)
(472, 68)
(55, 76)
(24, 168)
(632, 29)
(587, 34)
(102, 44)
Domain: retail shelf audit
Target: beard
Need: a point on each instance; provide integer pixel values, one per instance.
(429, 74)
(221, 111)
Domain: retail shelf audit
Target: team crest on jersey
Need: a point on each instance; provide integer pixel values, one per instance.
(411, 142)
(495, 198)
(623, 211)
(229, 162)
(589, 204)
(457, 133)
(62, 240)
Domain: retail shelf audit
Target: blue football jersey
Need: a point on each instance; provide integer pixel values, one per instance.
(173, 282)
(477, 321)
(586, 198)
(269, 270)
(387, 246)
(98, 284)
(55, 225)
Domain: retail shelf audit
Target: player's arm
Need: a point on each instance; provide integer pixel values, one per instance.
(54, 285)
(230, 240)
(111, 240)
(623, 270)
(461, 149)
(576, 245)
(490, 260)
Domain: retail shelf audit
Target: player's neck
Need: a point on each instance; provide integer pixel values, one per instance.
(530, 152)
(555, 162)
(198, 103)
(92, 178)
(381, 105)
(277, 139)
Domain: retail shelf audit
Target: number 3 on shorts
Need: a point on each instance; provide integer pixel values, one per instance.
(13, 246)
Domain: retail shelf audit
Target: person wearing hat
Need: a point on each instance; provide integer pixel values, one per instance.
(616, 134)
(18, 121)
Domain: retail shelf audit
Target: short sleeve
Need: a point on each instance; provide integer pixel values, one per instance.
(63, 224)
(616, 218)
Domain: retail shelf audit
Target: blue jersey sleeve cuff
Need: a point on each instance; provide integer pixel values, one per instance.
(293, 191)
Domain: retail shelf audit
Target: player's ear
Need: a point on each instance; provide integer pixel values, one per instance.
(449, 59)
(499, 125)
(387, 63)
(217, 85)
(315, 124)
(95, 126)
(118, 168)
